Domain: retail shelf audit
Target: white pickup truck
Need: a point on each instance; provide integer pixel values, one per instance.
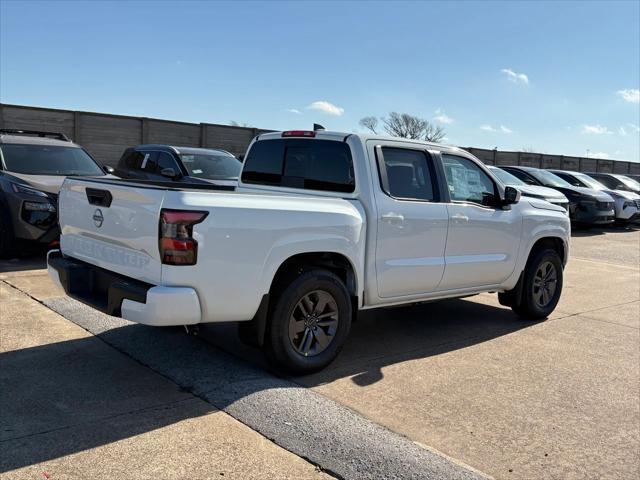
(321, 226)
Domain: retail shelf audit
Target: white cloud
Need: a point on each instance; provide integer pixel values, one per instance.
(599, 155)
(595, 130)
(631, 95)
(326, 107)
(294, 110)
(634, 128)
(515, 77)
(441, 117)
(622, 131)
(500, 129)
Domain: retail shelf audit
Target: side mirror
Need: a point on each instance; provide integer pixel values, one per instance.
(511, 195)
(170, 173)
(108, 170)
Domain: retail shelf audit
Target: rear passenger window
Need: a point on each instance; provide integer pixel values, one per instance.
(165, 160)
(306, 164)
(407, 174)
(133, 160)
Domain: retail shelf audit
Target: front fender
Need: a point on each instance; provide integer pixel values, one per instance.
(537, 227)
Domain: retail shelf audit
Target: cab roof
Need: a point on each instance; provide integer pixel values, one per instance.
(364, 137)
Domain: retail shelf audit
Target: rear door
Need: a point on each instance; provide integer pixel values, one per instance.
(112, 226)
(412, 221)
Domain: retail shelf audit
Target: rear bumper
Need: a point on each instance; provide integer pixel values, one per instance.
(122, 296)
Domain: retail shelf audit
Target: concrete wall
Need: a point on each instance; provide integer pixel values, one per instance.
(106, 136)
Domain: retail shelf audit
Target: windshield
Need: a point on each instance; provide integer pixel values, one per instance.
(211, 166)
(629, 182)
(549, 179)
(506, 177)
(48, 160)
(589, 182)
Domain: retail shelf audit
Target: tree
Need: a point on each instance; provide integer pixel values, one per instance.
(370, 123)
(406, 126)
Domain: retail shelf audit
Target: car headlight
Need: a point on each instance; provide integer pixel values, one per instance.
(628, 204)
(27, 190)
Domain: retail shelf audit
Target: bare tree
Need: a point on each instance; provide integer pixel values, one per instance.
(370, 123)
(406, 126)
(409, 126)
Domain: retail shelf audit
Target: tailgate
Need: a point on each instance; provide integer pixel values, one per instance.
(112, 226)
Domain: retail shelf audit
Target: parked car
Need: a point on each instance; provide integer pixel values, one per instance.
(322, 225)
(183, 164)
(533, 191)
(586, 206)
(633, 177)
(627, 204)
(33, 165)
(616, 181)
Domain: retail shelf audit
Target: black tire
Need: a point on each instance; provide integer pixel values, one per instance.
(534, 304)
(281, 349)
(7, 240)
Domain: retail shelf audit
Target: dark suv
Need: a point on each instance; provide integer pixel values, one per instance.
(586, 205)
(33, 166)
(184, 164)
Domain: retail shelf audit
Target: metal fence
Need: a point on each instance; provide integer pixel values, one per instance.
(106, 136)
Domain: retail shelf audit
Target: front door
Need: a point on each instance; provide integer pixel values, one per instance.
(483, 240)
(412, 222)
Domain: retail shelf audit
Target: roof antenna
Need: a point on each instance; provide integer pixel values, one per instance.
(317, 127)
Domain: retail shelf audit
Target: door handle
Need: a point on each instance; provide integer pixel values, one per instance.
(460, 217)
(393, 217)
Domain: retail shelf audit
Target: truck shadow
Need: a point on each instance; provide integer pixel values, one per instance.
(63, 398)
(390, 336)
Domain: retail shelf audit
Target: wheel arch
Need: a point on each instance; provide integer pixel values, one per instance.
(343, 267)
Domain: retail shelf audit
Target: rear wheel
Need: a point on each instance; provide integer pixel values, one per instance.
(309, 323)
(7, 240)
(541, 287)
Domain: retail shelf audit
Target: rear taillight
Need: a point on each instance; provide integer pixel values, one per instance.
(177, 245)
(299, 133)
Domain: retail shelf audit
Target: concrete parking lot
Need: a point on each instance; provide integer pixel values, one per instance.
(456, 389)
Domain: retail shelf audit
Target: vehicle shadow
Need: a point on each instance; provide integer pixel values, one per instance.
(612, 229)
(66, 397)
(393, 335)
(31, 261)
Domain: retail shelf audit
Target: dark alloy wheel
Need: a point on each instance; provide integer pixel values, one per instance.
(308, 323)
(541, 285)
(313, 323)
(545, 283)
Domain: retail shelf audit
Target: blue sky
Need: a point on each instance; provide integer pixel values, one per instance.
(555, 77)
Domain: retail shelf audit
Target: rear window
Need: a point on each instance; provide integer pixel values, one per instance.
(297, 163)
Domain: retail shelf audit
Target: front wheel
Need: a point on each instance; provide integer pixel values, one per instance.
(309, 323)
(542, 285)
